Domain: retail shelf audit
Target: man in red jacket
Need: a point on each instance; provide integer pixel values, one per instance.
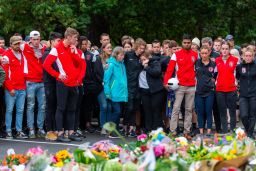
(183, 61)
(68, 79)
(15, 87)
(33, 69)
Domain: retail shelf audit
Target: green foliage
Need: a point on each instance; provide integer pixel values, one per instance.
(148, 19)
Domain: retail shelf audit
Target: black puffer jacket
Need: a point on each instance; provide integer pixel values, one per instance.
(154, 75)
(133, 68)
(93, 79)
(246, 75)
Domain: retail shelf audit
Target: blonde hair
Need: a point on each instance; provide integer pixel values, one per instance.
(70, 32)
(139, 42)
(103, 54)
(117, 50)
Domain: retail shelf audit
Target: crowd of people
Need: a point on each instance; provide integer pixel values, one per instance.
(63, 81)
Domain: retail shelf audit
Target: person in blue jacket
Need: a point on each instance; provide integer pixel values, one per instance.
(115, 85)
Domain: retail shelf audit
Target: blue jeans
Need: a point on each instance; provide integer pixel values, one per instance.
(103, 108)
(35, 91)
(114, 113)
(10, 101)
(204, 108)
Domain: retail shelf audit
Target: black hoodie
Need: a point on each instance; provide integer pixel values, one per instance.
(48, 79)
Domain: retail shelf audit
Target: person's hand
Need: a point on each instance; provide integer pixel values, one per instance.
(166, 87)
(4, 60)
(213, 59)
(73, 48)
(62, 77)
(12, 92)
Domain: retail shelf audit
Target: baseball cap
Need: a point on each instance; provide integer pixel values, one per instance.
(196, 41)
(34, 34)
(229, 37)
(15, 39)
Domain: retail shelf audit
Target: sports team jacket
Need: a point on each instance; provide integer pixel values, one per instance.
(246, 74)
(15, 79)
(33, 65)
(67, 63)
(225, 81)
(183, 61)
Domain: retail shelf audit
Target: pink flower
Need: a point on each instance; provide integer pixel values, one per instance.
(53, 159)
(142, 137)
(35, 151)
(159, 150)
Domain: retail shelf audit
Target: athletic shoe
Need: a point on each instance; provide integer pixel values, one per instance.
(9, 135)
(41, 133)
(62, 138)
(79, 133)
(113, 135)
(132, 134)
(74, 137)
(90, 129)
(31, 133)
(51, 136)
(21, 135)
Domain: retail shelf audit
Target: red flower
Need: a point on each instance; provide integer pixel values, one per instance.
(143, 148)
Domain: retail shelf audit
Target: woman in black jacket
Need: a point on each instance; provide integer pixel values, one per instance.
(246, 75)
(151, 89)
(204, 89)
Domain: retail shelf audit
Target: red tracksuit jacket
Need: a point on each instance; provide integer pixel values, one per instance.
(183, 61)
(33, 66)
(226, 81)
(67, 63)
(15, 79)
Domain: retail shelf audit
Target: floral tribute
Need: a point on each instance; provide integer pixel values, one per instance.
(153, 151)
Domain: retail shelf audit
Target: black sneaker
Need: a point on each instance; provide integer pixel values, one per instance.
(90, 129)
(79, 133)
(98, 129)
(21, 135)
(132, 134)
(62, 138)
(113, 135)
(74, 137)
(9, 135)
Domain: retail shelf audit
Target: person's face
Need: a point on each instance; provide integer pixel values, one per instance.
(231, 42)
(248, 57)
(120, 57)
(225, 50)
(186, 44)
(84, 45)
(72, 39)
(2, 43)
(204, 53)
(108, 49)
(35, 41)
(16, 46)
(194, 47)
(156, 48)
(55, 42)
(217, 46)
(89, 46)
(105, 39)
(127, 47)
(174, 49)
(140, 49)
(166, 49)
(144, 60)
(206, 44)
(252, 47)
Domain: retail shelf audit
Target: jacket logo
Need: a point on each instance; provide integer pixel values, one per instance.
(88, 57)
(193, 59)
(210, 69)
(231, 64)
(243, 70)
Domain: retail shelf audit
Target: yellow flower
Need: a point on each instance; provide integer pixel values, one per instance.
(59, 164)
(63, 154)
(101, 153)
(233, 151)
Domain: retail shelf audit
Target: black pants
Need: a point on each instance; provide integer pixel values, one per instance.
(248, 113)
(78, 106)
(51, 106)
(216, 114)
(227, 100)
(131, 107)
(87, 108)
(67, 98)
(151, 104)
